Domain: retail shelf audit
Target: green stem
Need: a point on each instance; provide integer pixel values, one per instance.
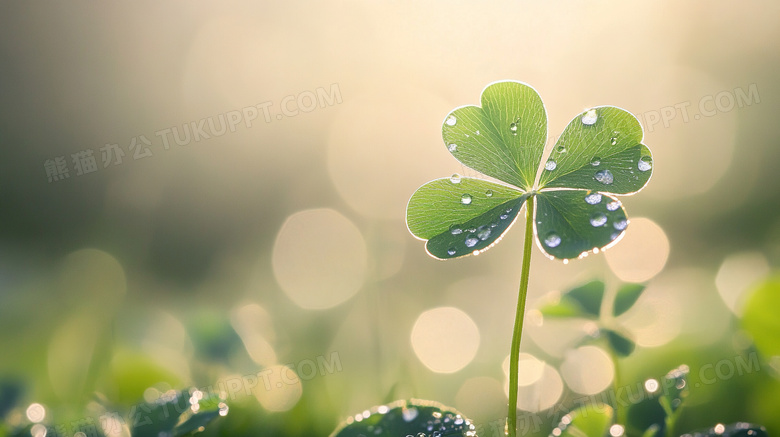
(621, 414)
(514, 356)
(670, 420)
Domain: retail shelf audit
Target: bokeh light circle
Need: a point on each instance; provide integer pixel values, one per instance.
(445, 339)
(651, 385)
(38, 430)
(319, 258)
(279, 389)
(656, 317)
(641, 254)
(737, 274)
(254, 325)
(36, 412)
(616, 430)
(587, 370)
(678, 302)
(482, 397)
(542, 394)
(529, 369)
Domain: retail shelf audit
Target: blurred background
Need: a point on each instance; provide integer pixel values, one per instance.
(214, 195)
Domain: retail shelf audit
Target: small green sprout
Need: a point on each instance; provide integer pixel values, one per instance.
(585, 302)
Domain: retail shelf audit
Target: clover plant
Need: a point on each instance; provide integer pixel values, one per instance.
(571, 209)
(570, 198)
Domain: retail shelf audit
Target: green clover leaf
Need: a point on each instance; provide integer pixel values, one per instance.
(592, 420)
(598, 156)
(413, 417)
(585, 301)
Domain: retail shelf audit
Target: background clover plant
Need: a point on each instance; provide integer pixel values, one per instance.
(570, 198)
(585, 302)
(175, 414)
(598, 419)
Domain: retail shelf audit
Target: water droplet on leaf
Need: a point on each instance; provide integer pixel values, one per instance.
(598, 219)
(451, 120)
(489, 193)
(483, 234)
(455, 230)
(552, 240)
(550, 165)
(409, 414)
(452, 148)
(593, 198)
(590, 117)
(451, 251)
(513, 127)
(596, 161)
(604, 176)
(620, 224)
(471, 241)
(465, 199)
(644, 163)
(455, 178)
(613, 206)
